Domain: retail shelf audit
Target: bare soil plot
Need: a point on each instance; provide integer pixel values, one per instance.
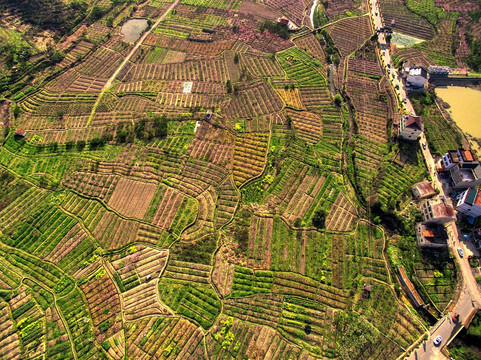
(114, 232)
(311, 45)
(137, 276)
(167, 209)
(349, 34)
(301, 200)
(259, 99)
(293, 9)
(259, 248)
(103, 302)
(307, 124)
(211, 144)
(223, 273)
(259, 10)
(342, 215)
(132, 198)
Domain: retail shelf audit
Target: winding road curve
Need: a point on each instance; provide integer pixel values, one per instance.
(470, 297)
(126, 60)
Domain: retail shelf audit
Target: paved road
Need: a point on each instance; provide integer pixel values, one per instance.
(470, 296)
(468, 300)
(127, 58)
(385, 56)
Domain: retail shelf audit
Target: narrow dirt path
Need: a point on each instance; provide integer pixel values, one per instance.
(127, 59)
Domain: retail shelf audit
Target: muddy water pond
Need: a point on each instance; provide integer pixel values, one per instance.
(465, 107)
(133, 28)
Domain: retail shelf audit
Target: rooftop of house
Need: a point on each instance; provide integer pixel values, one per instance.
(410, 286)
(20, 132)
(423, 190)
(440, 209)
(431, 235)
(466, 173)
(466, 155)
(453, 155)
(414, 122)
(417, 71)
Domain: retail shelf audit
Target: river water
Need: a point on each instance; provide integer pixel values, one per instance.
(133, 28)
(465, 107)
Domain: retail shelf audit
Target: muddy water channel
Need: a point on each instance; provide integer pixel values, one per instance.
(465, 107)
(133, 28)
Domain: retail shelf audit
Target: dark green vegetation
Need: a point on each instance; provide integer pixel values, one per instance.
(276, 28)
(466, 345)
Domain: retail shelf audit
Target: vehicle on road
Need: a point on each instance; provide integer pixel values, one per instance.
(405, 100)
(424, 146)
(438, 340)
(388, 71)
(397, 86)
(460, 252)
(383, 53)
(389, 65)
(455, 317)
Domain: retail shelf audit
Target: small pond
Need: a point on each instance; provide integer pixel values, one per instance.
(132, 29)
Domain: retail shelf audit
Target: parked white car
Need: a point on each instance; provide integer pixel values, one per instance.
(460, 252)
(438, 340)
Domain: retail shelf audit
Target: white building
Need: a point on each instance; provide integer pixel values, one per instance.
(469, 203)
(410, 127)
(416, 78)
(450, 159)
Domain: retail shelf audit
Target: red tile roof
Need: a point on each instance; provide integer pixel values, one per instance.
(413, 121)
(424, 189)
(428, 233)
(468, 156)
(410, 286)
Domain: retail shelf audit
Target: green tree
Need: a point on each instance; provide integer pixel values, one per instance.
(319, 219)
(338, 99)
(81, 145)
(229, 86)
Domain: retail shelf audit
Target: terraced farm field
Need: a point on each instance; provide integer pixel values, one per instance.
(220, 188)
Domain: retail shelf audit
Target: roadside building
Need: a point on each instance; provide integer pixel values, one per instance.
(469, 203)
(465, 175)
(439, 70)
(450, 159)
(431, 236)
(423, 190)
(410, 127)
(409, 288)
(20, 132)
(437, 211)
(416, 78)
(463, 169)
